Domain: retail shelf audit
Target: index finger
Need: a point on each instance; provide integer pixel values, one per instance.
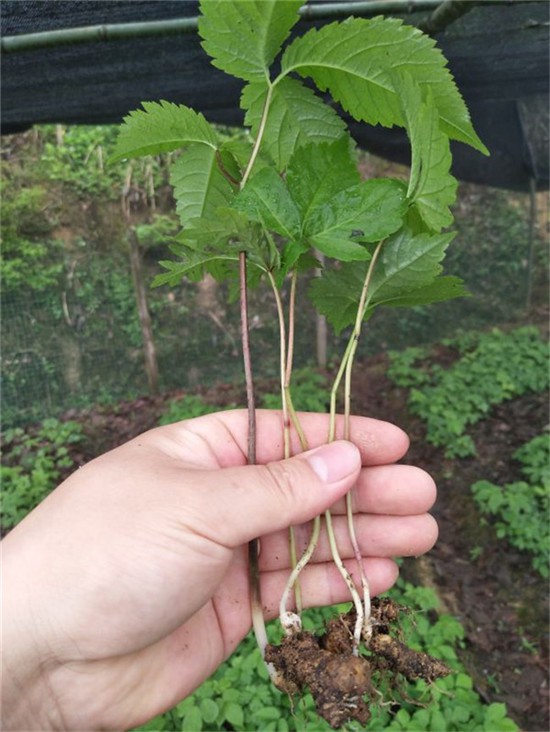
(379, 442)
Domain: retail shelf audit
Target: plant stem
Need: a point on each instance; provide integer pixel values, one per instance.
(362, 624)
(291, 621)
(282, 364)
(289, 363)
(259, 137)
(285, 393)
(291, 322)
(249, 378)
(296, 422)
(337, 559)
(254, 570)
(361, 310)
(298, 566)
(334, 391)
(256, 609)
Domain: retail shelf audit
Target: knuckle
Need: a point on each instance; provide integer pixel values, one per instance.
(282, 481)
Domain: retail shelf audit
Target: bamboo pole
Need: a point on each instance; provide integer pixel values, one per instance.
(177, 26)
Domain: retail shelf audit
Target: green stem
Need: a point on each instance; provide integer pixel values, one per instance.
(256, 609)
(296, 422)
(328, 516)
(334, 391)
(354, 341)
(289, 362)
(344, 371)
(285, 393)
(291, 322)
(291, 621)
(254, 570)
(282, 364)
(259, 137)
(337, 559)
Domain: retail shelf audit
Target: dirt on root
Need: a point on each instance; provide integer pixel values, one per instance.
(340, 681)
(487, 584)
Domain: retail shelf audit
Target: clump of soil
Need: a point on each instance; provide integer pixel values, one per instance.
(339, 681)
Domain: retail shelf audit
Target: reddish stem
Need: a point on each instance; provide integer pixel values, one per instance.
(249, 379)
(253, 565)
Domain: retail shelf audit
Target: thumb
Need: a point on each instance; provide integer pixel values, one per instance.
(254, 500)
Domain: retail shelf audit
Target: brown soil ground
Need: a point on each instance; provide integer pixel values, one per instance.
(489, 586)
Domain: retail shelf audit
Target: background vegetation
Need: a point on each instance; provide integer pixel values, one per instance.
(72, 335)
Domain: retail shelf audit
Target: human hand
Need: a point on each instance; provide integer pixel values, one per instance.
(128, 585)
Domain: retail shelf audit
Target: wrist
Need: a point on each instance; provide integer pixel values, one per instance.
(27, 701)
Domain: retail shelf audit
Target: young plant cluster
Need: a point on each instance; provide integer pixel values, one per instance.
(34, 462)
(521, 510)
(492, 367)
(266, 207)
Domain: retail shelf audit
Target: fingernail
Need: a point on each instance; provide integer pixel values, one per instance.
(335, 461)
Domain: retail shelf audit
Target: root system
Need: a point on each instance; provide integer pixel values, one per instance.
(340, 682)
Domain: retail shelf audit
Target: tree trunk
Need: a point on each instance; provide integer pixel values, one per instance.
(149, 350)
(72, 361)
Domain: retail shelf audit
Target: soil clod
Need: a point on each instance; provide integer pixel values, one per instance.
(339, 681)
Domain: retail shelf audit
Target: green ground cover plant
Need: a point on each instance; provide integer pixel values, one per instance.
(310, 394)
(264, 207)
(492, 367)
(520, 511)
(33, 463)
(186, 407)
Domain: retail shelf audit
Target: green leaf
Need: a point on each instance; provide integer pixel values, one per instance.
(297, 116)
(367, 212)
(206, 242)
(356, 61)
(431, 186)
(440, 290)
(317, 173)
(214, 244)
(193, 268)
(407, 261)
(406, 274)
(268, 713)
(240, 150)
(336, 294)
(209, 710)
(192, 722)
(436, 187)
(244, 36)
(233, 713)
(199, 186)
(159, 128)
(266, 199)
(294, 255)
(227, 225)
(229, 163)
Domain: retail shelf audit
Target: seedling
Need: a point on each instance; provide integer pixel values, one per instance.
(263, 208)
